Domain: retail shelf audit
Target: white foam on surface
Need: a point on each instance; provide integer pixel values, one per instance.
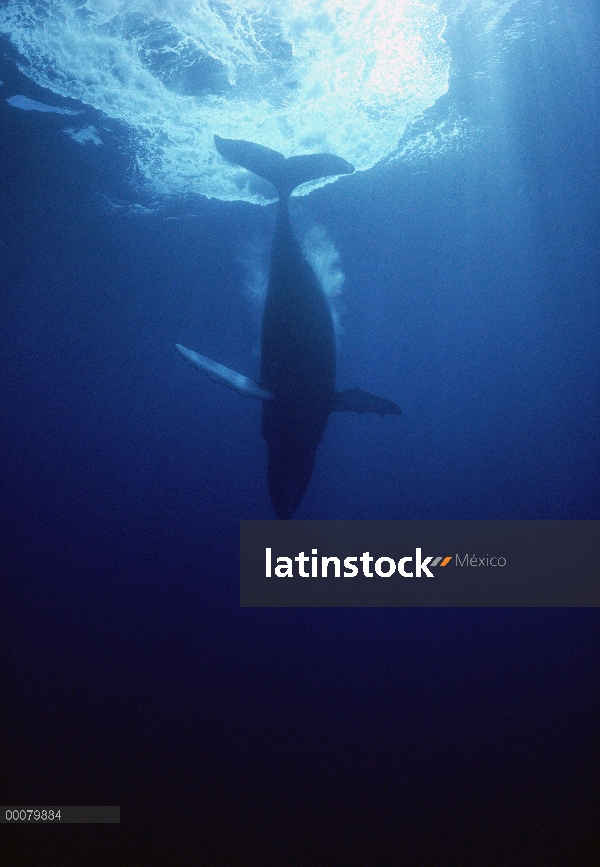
(26, 104)
(299, 76)
(87, 135)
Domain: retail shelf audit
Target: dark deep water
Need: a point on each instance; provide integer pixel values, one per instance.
(301, 737)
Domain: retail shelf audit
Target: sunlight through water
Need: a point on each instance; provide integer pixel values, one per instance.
(300, 76)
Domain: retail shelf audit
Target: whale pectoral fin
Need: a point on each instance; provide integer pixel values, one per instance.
(229, 378)
(357, 400)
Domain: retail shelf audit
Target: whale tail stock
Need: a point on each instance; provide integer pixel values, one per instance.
(284, 174)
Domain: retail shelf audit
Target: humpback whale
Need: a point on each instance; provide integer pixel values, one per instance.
(298, 353)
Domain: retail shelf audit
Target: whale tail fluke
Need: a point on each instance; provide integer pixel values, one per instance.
(284, 174)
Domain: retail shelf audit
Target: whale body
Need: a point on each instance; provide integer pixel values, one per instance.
(298, 352)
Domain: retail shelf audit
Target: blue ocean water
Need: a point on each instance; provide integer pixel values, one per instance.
(463, 264)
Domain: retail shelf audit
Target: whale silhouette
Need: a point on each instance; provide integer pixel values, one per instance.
(298, 353)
